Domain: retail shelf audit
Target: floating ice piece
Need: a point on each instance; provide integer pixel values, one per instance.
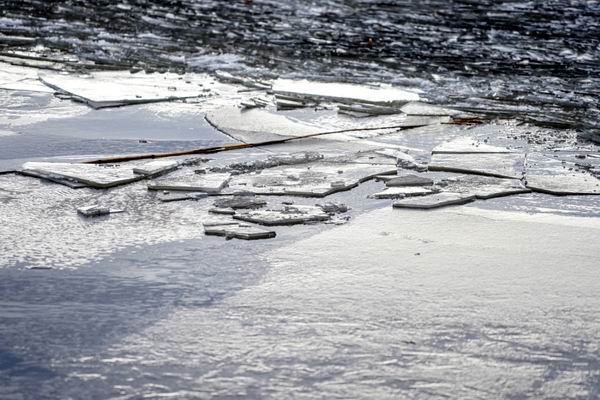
(111, 89)
(333, 208)
(564, 183)
(434, 201)
(167, 197)
(209, 183)
(418, 108)
(222, 211)
(92, 175)
(465, 145)
(155, 168)
(343, 92)
(289, 215)
(239, 202)
(96, 211)
(257, 125)
(313, 180)
(408, 180)
(401, 192)
(238, 231)
(502, 165)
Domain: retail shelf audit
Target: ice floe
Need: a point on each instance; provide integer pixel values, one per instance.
(502, 165)
(78, 175)
(344, 92)
(111, 89)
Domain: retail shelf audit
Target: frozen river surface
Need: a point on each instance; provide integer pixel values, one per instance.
(496, 299)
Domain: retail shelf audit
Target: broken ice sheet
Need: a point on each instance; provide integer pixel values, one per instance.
(110, 89)
(257, 125)
(317, 179)
(344, 92)
(502, 165)
(437, 200)
(289, 215)
(92, 175)
(238, 231)
(208, 183)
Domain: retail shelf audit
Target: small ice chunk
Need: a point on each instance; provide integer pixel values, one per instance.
(408, 180)
(289, 215)
(238, 202)
(401, 192)
(157, 167)
(238, 231)
(167, 197)
(95, 211)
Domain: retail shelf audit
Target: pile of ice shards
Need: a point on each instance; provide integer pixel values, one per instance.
(247, 198)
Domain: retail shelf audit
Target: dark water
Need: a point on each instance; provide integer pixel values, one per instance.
(535, 60)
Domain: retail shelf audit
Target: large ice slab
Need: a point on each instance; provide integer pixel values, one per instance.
(502, 165)
(484, 187)
(434, 201)
(564, 183)
(92, 175)
(207, 183)
(313, 180)
(110, 89)
(344, 92)
(466, 145)
(257, 125)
